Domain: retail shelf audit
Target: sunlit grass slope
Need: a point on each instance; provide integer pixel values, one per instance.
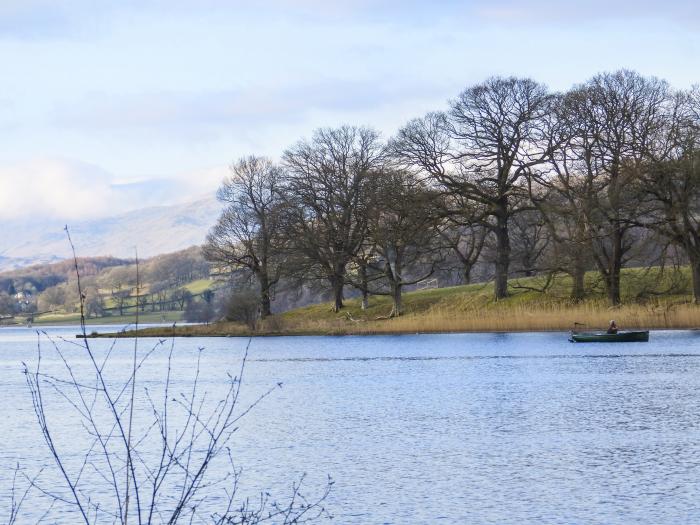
(196, 288)
(118, 320)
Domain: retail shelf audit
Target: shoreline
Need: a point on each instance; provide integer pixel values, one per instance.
(160, 332)
(318, 320)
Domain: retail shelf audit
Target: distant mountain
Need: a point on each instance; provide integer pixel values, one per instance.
(12, 263)
(155, 230)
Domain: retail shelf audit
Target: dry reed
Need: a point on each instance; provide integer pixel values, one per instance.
(524, 317)
(520, 318)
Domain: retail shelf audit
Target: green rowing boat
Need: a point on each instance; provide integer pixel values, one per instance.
(604, 337)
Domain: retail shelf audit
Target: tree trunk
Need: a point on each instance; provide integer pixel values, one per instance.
(337, 295)
(528, 265)
(364, 287)
(695, 270)
(502, 252)
(396, 296)
(614, 288)
(467, 274)
(615, 267)
(338, 283)
(394, 273)
(578, 288)
(265, 308)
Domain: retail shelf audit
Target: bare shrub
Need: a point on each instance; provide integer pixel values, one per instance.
(152, 468)
(243, 307)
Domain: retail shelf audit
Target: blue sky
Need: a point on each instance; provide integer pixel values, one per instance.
(115, 105)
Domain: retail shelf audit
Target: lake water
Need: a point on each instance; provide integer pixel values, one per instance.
(458, 428)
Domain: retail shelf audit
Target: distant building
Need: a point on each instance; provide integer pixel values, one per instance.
(24, 295)
(24, 300)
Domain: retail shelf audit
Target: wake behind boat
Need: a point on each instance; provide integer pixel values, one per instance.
(626, 336)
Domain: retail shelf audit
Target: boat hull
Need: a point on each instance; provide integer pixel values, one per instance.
(603, 337)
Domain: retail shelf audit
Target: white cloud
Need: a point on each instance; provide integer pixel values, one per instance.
(198, 182)
(54, 188)
(66, 189)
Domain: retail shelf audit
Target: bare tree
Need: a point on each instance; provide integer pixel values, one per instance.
(121, 297)
(671, 180)
(94, 302)
(159, 294)
(362, 272)
(562, 200)
(8, 304)
(402, 232)
(181, 298)
(463, 232)
(248, 233)
(329, 184)
(531, 242)
(482, 149)
(242, 307)
(613, 120)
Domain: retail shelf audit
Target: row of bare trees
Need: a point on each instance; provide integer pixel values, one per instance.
(572, 181)
(334, 211)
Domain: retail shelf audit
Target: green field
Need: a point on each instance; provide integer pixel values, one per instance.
(144, 317)
(199, 286)
(196, 288)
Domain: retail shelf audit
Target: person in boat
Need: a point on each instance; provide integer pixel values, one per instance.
(612, 329)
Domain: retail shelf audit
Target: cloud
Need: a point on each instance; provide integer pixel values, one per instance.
(45, 19)
(36, 19)
(54, 188)
(545, 11)
(67, 189)
(256, 105)
(201, 181)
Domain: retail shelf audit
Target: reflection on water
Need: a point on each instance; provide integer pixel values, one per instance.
(459, 428)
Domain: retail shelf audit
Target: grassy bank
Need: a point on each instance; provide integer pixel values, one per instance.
(652, 299)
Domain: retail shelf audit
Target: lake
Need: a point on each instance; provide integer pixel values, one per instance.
(453, 428)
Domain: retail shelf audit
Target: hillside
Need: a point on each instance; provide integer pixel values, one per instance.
(653, 299)
(169, 285)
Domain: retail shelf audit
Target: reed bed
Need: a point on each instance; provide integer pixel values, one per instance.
(519, 318)
(514, 318)
(525, 319)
